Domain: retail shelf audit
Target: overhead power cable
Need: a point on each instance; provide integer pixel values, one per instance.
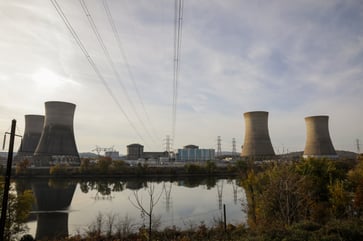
(178, 27)
(112, 64)
(126, 62)
(92, 63)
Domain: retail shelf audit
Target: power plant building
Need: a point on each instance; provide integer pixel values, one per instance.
(113, 154)
(257, 143)
(135, 151)
(57, 142)
(318, 142)
(193, 153)
(32, 132)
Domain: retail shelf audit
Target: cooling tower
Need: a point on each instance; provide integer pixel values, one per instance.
(32, 132)
(318, 142)
(57, 143)
(257, 143)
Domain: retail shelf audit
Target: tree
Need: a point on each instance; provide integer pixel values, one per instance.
(85, 165)
(340, 200)
(104, 164)
(210, 166)
(18, 210)
(147, 209)
(277, 196)
(286, 197)
(22, 166)
(355, 177)
(58, 169)
(321, 173)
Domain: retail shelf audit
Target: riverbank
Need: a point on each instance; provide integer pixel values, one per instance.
(140, 171)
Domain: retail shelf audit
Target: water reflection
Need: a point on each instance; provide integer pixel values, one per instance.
(52, 199)
(184, 202)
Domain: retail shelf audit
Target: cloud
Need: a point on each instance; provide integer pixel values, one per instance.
(292, 59)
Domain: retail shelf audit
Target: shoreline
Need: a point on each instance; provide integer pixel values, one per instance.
(130, 172)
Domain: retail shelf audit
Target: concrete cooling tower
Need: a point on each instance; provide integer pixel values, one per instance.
(32, 132)
(318, 142)
(257, 143)
(57, 143)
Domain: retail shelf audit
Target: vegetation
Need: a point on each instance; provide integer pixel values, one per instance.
(22, 166)
(147, 209)
(312, 199)
(19, 206)
(58, 169)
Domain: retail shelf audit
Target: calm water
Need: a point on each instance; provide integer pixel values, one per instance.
(72, 207)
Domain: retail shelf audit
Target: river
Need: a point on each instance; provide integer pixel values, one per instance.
(72, 207)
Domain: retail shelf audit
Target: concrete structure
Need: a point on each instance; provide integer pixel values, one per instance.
(257, 143)
(155, 155)
(113, 154)
(193, 153)
(57, 143)
(32, 132)
(318, 142)
(134, 151)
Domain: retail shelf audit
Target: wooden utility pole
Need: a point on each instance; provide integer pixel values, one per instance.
(7, 180)
(224, 218)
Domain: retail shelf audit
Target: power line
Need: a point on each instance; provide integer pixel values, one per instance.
(92, 63)
(178, 26)
(112, 64)
(126, 62)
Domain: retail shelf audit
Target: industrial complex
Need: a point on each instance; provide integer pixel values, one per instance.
(49, 140)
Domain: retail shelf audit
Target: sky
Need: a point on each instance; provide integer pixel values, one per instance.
(291, 58)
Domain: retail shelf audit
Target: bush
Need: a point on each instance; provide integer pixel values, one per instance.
(193, 169)
(58, 169)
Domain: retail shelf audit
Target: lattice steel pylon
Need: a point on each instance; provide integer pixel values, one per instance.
(168, 143)
(234, 151)
(219, 146)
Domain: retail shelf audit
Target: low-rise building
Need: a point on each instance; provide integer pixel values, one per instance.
(193, 153)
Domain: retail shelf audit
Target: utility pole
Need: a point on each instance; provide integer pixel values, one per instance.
(7, 179)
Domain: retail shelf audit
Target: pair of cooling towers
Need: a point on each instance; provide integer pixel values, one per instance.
(50, 139)
(257, 143)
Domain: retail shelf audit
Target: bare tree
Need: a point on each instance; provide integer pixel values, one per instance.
(147, 209)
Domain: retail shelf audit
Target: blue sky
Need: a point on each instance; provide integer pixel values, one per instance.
(290, 58)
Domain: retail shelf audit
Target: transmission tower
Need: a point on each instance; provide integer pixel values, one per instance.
(219, 146)
(234, 152)
(167, 143)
